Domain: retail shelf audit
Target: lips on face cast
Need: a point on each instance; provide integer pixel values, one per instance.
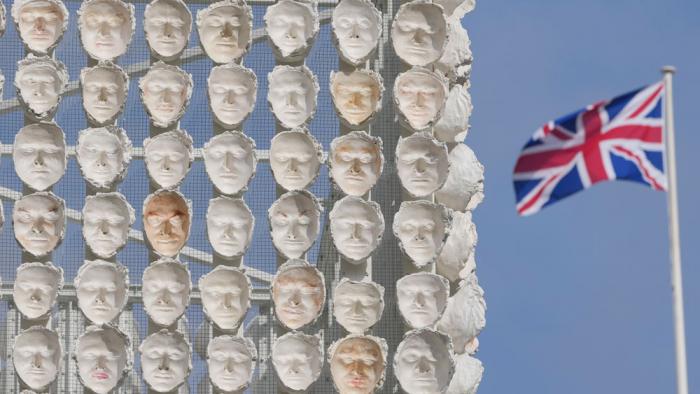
(423, 362)
(230, 161)
(230, 225)
(102, 290)
(106, 27)
(225, 30)
(356, 162)
(298, 292)
(357, 96)
(39, 155)
(225, 296)
(40, 82)
(291, 26)
(103, 358)
(420, 95)
(292, 94)
(36, 356)
(298, 359)
(40, 23)
(39, 222)
(35, 288)
(357, 306)
(419, 33)
(232, 93)
(165, 92)
(103, 155)
(167, 24)
(422, 164)
(104, 89)
(422, 298)
(166, 221)
(168, 157)
(231, 361)
(295, 158)
(166, 291)
(357, 226)
(165, 360)
(357, 25)
(420, 227)
(357, 364)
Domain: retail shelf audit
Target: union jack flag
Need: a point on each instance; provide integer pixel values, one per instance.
(617, 139)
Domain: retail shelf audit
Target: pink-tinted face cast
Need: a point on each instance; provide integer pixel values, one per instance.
(166, 221)
(298, 294)
(357, 95)
(356, 163)
(40, 23)
(357, 366)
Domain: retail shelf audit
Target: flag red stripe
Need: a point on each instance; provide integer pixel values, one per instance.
(648, 101)
(641, 166)
(537, 195)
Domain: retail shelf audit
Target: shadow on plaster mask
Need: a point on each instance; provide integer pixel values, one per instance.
(105, 88)
(298, 360)
(165, 93)
(232, 93)
(107, 219)
(39, 222)
(225, 30)
(230, 161)
(357, 26)
(456, 9)
(40, 23)
(467, 377)
(231, 361)
(40, 82)
(419, 32)
(101, 287)
(357, 227)
(453, 126)
(424, 362)
(37, 357)
(298, 294)
(168, 157)
(166, 291)
(106, 28)
(35, 289)
(166, 360)
(356, 162)
(225, 295)
(419, 97)
(357, 306)
(358, 364)
(422, 298)
(167, 217)
(465, 315)
(230, 225)
(422, 164)
(456, 259)
(103, 356)
(295, 159)
(292, 94)
(39, 155)
(421, 228)
(456, 60)
(291, 27)
(103, 154)
(464, 188)
(294, 222)
(357, 96)
(167, 25)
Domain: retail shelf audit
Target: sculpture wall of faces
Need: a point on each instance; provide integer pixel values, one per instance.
(456, 61)
(294, 222)
(295, 159)
(467, 377)
(292, 93)
(35, 289)
(166, 291)
(298, 360)
(291, 28)
(102, 288)
(465, 315)
(231, 361)
(39, 155)
(104, 358)
(456, 260)
(167, 25)
(419, 97)
(419, 32)
(104, 88)
(40, 23)
(40, 82)
(225, 30)
(422, 298)
(167, 217)
(357, 95)
(106, 28)
(230, 161)
(298, 294)
(356, 162)
(37, 357)
(232, 91)
(39, 222)
(424, 362)
(357, 226)
(165, 93)
(107, 219)
(453, 126)
(168, 157)
(103, 154)
(357, 26)
(358, 364)
(421, 228)
(422, 164)
(230, 225)
(226, 295)
(357, 306)
(166, 360)
(464, 188)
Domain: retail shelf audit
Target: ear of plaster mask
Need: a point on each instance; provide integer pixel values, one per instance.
(226, 293)
(292, 94)
(39, 155)
(424, 362)
(294, 222)
(421, 228)
(464, 188)
(292, 27)
(356, 162)
(465, 315)
(166, 291)
(357, 306)
(39, 222)
(225, 30)
(40, 23)
(40, 82)
(104, 357)
(456, 259)
(358, 363)
(37, 357)
(35, 289)
(467, 377)
(230, 225)
(422, 298)
(456, 61)
(103, 154)
(167, 218)
(419, 32)
(165, 92)
(456, 9)
(232, 91)
(298, 293)
(357, 226)
(102, 290)
(295, 159)
(453, 126)
(107, 219)
(167, 25)
(298, 360)
(106, 27)
(230, 161)
(357, 96)
(419, 97)
(422, 164)
(104, 88)
(357, 26)
(166, 360)
(168, 157)
(231, 361)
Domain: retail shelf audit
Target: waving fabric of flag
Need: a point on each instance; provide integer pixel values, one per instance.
(617, 139)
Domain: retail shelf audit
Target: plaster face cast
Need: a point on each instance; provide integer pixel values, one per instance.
(225, 30)
(36, 287)
(166, 221)
(36, 356)
(168, 157)
(40, 82)
(422, 164)
(357, 96)
(422, 298)
(106, 27)
(465, 315)
(294, 222)
(456, 260)
(39, 155)
(225, 296)
(107, 218)
(467, 377)
(167, 24)
(231, 362)
(101, 287)
(357, 227)
(358, 364)
(103, 155)
(292, 94)
(165, 360)
(230, 161)
(453, 126)
(356, 162)
(40, 23)
(166, 291)
(419, 96)
(104, 88)
(291, 27)
(165, 92)
(230, 225)
(295, 159)
(357, 306)
(424, 363)
(421, 228)
(419, 33)
(39, 222)
(456, 9)
(103, 358)
(298, 292)
(456, 61)
(232, 93)
(464, 188)
(357, 26)
(298, 359)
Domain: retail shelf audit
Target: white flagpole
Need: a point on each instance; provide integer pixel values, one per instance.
(674, 234)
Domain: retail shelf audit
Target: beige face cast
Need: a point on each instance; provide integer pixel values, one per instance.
(40, 23)
(106, 27)
(419, 32)
(102, 290)
(166, 291)
(357, 226)
(104, 89)
(39, 155)
(357, 96)
(356, 162)
(298, 359)
(36, 356)
(292, 94)
(225, 29)
(419, 97)
(291, 28)
(230, 161)
(40, 83)
(424, 362)
(39, 222)
(358, 364)
(166, 360)
(165, 92)
(357, 306)
(167, 24)
(232, 93)
(103, 357)
(225, 296)
(294, 223)
(166, 221)
(299, 293)
(357, 26)
(103, 154)
(422, 164)
(295, 159)
(230, 225)
(168, 157)
(35, 288)
(421, 228)
(231, 361)
(422, 298)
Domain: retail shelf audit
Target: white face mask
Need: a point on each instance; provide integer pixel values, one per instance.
(357, 306)
(420, 227)
(422, 298)
(103, 155)
(36, 356)
(357, 96)
(420, 96)
(356, 227)
(292, 95)
(225, 30)
(291, 27)
(230, 161)
(358, 364)
(165, 92)
(39, 222)
(102, 290)
(231, 362)
(39, 155)
(36, 288)
(464, 188)
(168, 158)
(456, 260)
(225, 296)
(419, 33)
(166, 222)
(357, 26)
(356, 162)
(298, 293)
(104, 92)
(297, 359)
(423, 363)
(107, 219)
(230, 226)
(40, 82)
(167, 24)
(106, 28)
(422, 164)
(165, 360)
(102, 355)
(294, 222)
(232, 93)
(40, 23)
(465, 315)
(166, 291)
(295, 159)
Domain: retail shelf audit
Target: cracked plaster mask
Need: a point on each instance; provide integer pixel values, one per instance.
(464, 188)
(421, 228)
(40, 82)
(102, 287)
(292, 27)
(230, 161)
(292, 94)
(107, 219)
(422, 298)
(225, 30)
(357, 227)
(357, 26)
(358, 364)
(166, 291)
(105, 88)
(37, 356)
(456, 259)
(168, 157)
(225, 296)
(456, 60)
(357, 96)
(465, 315)
(298, 293)
(467, 377)
(230, 225)
(357, 306)
(419, 32)
(35, 288)
(424, 363)
(106, 27)
(232, 91)
(422, 164)
(419, 97)
(295, 159)
(39, 155)
(165, 92)
(40, 23)
(103, 357)
(166, 221)
(294, 222)
(453, 126)
(167, 24)
(231, 361)
(356, 162)
(166, 360)
(39, 222)
(103, 154)
(298, 359)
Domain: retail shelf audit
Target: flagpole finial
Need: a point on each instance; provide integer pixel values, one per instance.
(668, 69)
